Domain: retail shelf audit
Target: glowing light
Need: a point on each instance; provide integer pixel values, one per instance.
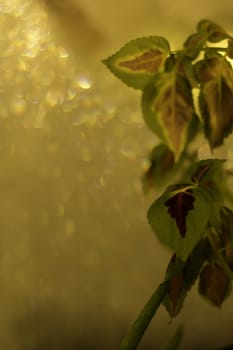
(84, 83)
(32, 59)
(130, 155)
(71, 94)
(62, 52)
(145, 164)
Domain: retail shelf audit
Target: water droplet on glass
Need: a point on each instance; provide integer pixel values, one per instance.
(18, 106)
(52, 98)
(83, 82)
(30, 52)
(71, 93)
(62, 52)
(34, 94)
(13, 33)
(130, 155)
(47, 77)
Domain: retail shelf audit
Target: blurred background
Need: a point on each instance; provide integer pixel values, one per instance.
(78, 259)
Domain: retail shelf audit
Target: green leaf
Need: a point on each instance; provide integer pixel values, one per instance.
(205, 170)
(213, 32)
(193, 45)
(139, 60)
(179, 217)
(181, 276)
(209, 175)
(187, 70)
(214, 284)
(168, 110)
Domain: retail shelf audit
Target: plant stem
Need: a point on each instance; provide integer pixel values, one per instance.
(175, 341)
(139, 327)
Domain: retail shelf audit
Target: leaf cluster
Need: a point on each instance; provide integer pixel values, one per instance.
(193, 220)
(191, 216)
(167, 79)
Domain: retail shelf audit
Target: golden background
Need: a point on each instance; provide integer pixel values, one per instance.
(78, 259)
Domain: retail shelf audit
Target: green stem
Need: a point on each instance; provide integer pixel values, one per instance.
(204, 49)
(214, 48)
(139, 327)
(175, 341)
(220, 257)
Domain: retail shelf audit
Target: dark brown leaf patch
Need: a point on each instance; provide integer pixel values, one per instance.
(200, 173)
(150, 61)
(179, 206)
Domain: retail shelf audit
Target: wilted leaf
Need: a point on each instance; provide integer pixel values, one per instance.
(212, 31)
(140, 59)
(214, 284)
(213, 67)
(174, 298)
(216, 104)
(181, 276)
(193, 45)
(216, 97)
(182, 230)
(182, 65)
(168, 110)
